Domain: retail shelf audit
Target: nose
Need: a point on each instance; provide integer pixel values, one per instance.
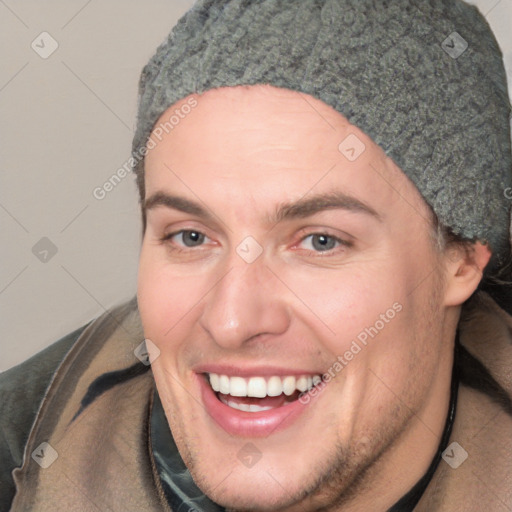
(245, 303)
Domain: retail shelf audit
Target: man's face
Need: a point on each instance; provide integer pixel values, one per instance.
(273, 256)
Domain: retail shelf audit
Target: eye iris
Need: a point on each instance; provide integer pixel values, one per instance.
(323, 242)
(192, 238)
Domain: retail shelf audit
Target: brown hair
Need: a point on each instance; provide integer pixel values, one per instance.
(497, 277)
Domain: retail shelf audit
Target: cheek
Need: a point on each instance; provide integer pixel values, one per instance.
(162, 298)
(170, 301)
(345, 302)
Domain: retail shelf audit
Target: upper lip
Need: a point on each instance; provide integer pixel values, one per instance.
(239, 370)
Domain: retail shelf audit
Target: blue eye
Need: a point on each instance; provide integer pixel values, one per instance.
(321, 242)
(187, 238)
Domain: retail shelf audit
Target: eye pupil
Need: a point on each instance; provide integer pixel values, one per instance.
(192, 238)
(323, 242)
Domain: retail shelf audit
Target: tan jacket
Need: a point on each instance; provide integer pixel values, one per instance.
(104, 459)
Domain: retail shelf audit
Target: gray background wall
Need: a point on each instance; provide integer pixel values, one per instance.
(66, 126)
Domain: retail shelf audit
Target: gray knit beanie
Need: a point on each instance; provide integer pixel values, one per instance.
(423, 78)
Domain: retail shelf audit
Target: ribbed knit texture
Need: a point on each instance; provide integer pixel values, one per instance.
(380, 63)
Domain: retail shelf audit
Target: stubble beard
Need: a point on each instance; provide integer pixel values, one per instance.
(344, 477)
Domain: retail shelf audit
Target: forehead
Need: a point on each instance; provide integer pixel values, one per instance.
(253, 145)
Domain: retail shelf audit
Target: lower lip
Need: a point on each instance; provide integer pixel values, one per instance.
(250, 424)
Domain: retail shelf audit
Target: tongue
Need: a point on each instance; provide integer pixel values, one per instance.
(268, 401)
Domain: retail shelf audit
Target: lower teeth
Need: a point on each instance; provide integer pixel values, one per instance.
(244, 407)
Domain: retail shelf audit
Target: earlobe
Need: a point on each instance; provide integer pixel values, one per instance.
(465, 266)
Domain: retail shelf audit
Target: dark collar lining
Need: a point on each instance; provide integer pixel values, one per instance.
(180, 490)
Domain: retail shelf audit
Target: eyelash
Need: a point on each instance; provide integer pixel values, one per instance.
(341, 243)
(166, 239)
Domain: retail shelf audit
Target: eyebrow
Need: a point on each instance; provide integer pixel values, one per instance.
(334, 200)
(176, 203)
(302, 208)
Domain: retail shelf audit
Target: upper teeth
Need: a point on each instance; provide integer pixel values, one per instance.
(261, 387)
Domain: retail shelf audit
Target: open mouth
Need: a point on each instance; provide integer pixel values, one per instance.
(257, 394)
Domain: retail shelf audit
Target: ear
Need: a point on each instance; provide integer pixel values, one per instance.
(464, 270)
